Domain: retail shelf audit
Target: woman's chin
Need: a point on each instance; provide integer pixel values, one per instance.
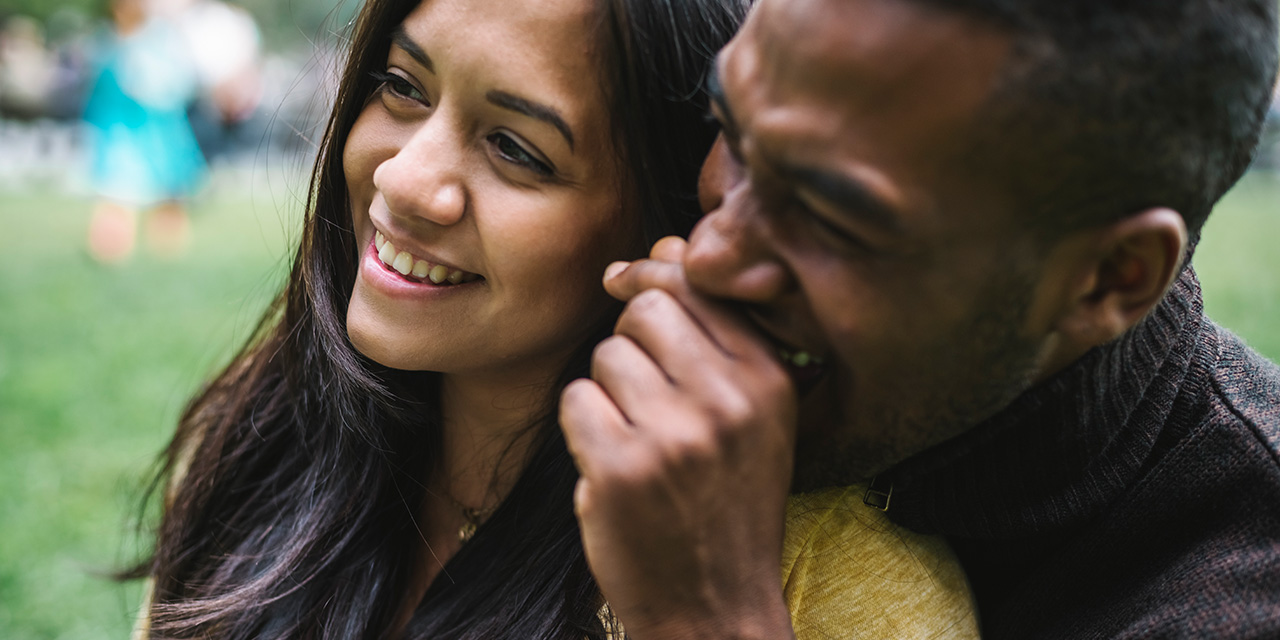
(384, 352)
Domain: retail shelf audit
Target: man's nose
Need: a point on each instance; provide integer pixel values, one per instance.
(425, 178)
(719, 172)
(731, 253)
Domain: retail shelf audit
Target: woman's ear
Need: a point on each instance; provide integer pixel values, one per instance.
(1131, 266)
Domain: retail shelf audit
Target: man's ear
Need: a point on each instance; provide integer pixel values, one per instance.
(1129, 266)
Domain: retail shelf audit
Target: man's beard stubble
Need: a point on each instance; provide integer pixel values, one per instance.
(980, 371)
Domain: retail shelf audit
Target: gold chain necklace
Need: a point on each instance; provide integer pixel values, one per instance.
(472, 518)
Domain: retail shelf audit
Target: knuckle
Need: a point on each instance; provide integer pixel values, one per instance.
(691, 451)
(649, 301)
(733, 409)
(610, 348)
(609, 356)
(631, 475)
(655, 273)
(772, 384)
(576, 394)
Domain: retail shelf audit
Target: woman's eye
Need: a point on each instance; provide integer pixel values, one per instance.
(397, 86)
(511, 151)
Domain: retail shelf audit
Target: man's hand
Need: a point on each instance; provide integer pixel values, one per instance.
(684, 438)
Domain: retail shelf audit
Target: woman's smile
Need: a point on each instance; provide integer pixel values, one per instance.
(416, 269)
(387, 280)
(485, 192)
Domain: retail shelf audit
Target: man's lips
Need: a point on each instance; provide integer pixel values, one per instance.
(804, 368)
(804, 364)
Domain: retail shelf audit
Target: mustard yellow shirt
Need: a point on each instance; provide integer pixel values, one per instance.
(848, 572)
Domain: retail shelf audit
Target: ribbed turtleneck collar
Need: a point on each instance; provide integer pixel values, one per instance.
(1064, 450)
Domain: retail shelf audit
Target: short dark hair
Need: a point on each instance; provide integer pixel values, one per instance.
(1108, 107)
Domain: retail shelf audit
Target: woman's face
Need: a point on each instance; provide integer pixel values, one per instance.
(485, 161)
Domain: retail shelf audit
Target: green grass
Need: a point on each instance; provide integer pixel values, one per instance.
(1239, 262)
(96, 363)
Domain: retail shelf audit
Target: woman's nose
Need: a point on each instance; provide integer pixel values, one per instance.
(425, 178)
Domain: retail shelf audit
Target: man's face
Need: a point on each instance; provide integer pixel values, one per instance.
(845, 210)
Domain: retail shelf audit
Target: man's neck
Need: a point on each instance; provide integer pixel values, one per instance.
(1065, 448)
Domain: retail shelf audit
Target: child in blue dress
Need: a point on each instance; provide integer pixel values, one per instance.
(144, 154)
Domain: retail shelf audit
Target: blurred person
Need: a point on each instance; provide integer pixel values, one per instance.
(28, 69)
(71, 34)
(966, 227)
(144, 154)
(383, 459)
(226, 45)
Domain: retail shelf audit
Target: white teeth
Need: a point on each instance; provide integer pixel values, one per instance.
(438, 273)
(403, 263)
(406, 264)
(421, 268)
(387, 253)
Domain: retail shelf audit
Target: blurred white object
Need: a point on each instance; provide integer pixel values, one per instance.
(26, 68)
(226, 47)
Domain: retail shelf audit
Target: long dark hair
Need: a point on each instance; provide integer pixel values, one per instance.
(299, 466)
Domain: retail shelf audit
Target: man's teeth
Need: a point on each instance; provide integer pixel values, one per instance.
(799, 358)
(405, 264)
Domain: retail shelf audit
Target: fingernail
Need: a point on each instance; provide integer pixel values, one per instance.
(614, 269)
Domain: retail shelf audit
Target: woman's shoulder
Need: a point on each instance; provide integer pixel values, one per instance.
(846, 568)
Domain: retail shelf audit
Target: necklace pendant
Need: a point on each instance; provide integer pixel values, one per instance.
(466, 531)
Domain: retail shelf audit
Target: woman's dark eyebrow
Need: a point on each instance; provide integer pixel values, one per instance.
(533, 110)
(401, 39)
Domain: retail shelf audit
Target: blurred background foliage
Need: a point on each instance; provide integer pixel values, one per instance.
(286, 24)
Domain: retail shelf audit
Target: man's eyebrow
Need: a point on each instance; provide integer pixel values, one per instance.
(401, 39)
(532, 109)
(846, 194)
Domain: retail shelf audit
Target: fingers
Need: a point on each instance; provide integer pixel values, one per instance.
(625, 280)
(640, 282)
(628, 374)
(669, 249)
(676, 332)
(595, 430)
(662, 270)
(681, 346)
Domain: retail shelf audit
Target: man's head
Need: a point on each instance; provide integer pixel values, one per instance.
(950, 201)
